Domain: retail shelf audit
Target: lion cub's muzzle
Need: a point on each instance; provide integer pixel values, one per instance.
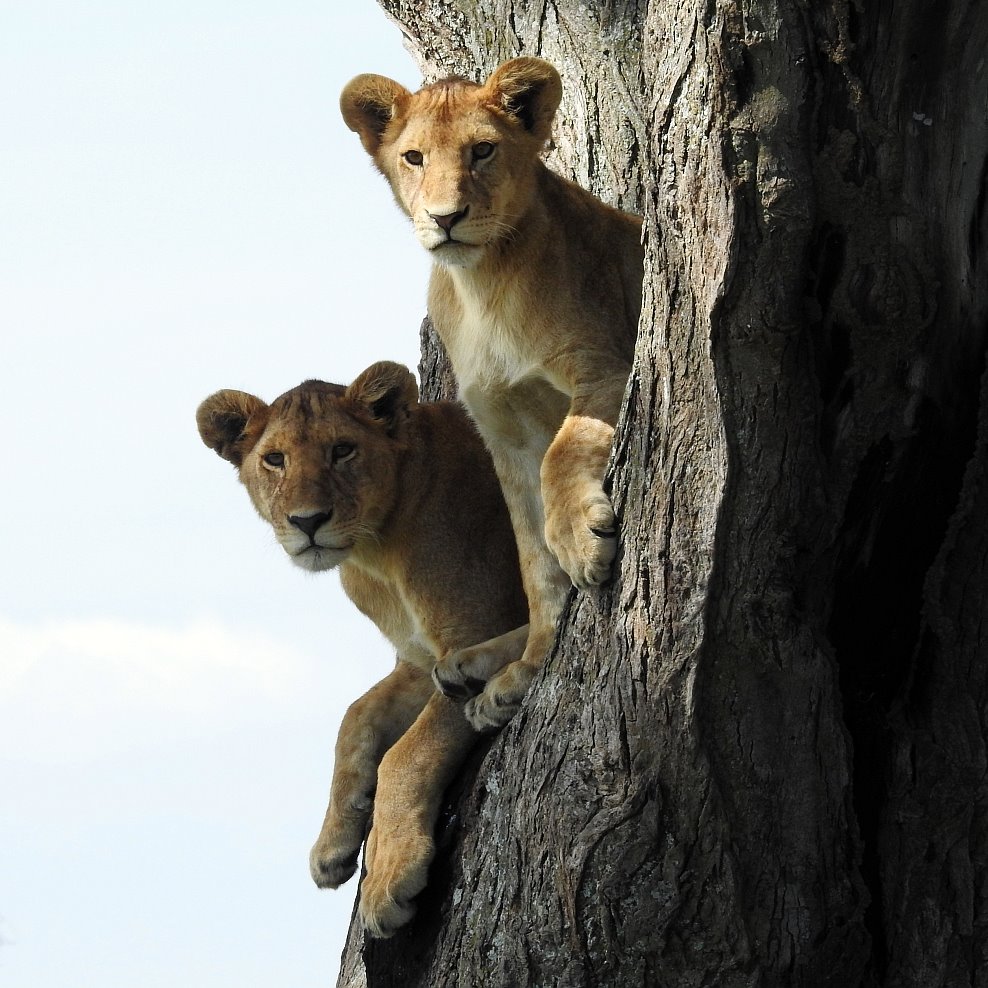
(310, 524)
(310, 541)
(447, 221)
(449, 237)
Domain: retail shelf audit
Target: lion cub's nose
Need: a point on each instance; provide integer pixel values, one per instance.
(448, 220)
(310, 523)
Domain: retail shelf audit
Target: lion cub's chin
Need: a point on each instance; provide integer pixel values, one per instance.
(453, 254)
(318, 558)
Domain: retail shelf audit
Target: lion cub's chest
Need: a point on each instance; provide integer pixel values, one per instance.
(380, 597)
(492, 340)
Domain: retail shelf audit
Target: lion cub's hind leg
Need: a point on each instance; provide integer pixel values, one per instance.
(370, 727)
(411, 781)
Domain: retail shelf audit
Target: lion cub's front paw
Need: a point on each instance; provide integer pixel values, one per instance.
(331, 867)
(333, 858)
(464, 673)
(502, 696)
(454, 679)
(397, 870)
(584, 539)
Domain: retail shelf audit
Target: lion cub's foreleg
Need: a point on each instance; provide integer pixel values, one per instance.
(370, 727)
(563, 521)
(580, 527)
(546, 586)
(411, 780)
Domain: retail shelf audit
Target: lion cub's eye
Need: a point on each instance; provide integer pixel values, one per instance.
(413, 157)
(482, 150)
(274, 459)
(342, 451)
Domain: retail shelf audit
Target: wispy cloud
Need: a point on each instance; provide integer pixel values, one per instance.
(88, 682)
(150, 663)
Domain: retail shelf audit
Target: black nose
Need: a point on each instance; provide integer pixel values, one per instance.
(448, 221)
(310, 523)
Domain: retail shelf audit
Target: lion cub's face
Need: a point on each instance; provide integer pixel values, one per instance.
(460, 157)
(322, 462)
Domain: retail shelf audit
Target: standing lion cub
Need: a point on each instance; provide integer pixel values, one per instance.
(536, 293)
(402, 498)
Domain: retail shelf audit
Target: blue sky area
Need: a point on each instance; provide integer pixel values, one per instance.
(182, 210)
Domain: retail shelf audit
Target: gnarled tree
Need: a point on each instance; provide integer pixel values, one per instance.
(758, 757)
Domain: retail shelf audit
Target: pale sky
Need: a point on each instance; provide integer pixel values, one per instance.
(181, 210)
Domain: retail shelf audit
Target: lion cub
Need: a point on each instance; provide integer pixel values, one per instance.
(536, 293)
(402, 498)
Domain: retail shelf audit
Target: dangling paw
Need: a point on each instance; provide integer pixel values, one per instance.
(333, 858)
(397, 870)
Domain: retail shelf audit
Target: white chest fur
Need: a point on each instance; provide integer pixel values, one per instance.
(494, 344)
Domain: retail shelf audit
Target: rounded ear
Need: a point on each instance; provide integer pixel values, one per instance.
(368, 106)
(530, 90)
(387, 390)
(222, 419)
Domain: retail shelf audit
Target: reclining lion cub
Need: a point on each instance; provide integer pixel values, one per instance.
(402, 498)
(536, 293)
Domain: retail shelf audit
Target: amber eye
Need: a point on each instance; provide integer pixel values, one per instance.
(342, 451)
(413, 157)
(482, 150)
(275, 460)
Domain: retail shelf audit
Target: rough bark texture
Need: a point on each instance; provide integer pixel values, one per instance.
(759, 756)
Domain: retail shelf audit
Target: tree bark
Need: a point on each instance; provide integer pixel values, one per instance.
(758, 757)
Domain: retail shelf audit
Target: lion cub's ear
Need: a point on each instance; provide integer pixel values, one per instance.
(388, 390)
(530, 90)
(368, 106)
(222, 418)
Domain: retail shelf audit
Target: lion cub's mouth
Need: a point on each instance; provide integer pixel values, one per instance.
(317, 557)
(457, 253)
(452, 242)
(318, 547)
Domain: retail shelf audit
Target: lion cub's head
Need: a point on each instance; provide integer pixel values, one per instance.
(461, 158)
(322, 462)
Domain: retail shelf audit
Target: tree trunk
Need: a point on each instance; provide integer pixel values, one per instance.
(758, 757)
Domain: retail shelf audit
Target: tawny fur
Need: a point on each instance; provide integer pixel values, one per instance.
(536, 294)
(402, 497)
